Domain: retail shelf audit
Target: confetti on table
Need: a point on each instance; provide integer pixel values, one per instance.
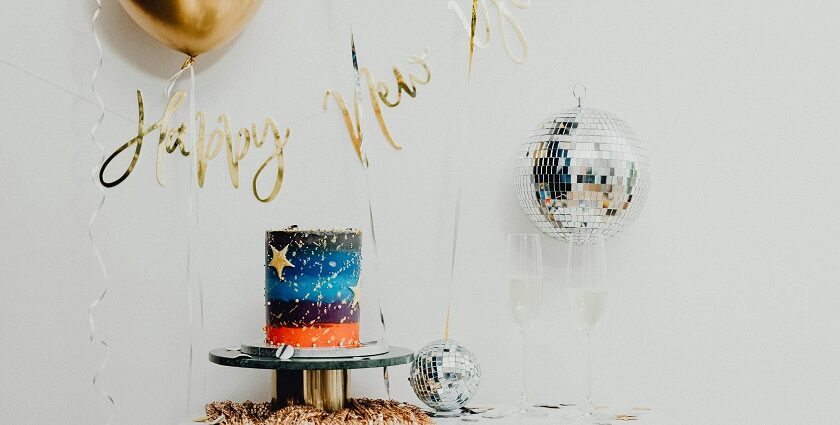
(625, 417)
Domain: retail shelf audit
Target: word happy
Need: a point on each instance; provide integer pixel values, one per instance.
(171, 139)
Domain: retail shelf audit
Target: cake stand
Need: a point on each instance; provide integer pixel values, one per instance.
(322, 382)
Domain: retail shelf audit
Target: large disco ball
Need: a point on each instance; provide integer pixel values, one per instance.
(582, 173)
(444, 375)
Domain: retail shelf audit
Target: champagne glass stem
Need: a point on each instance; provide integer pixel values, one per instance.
(523, 396)
(590, 407)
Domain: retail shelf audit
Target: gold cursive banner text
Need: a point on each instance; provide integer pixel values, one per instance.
(379, 91)
(206, 149)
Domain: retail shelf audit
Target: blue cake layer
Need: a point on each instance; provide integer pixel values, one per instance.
(318, 266)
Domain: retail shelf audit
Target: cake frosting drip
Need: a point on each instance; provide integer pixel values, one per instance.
(312, 287)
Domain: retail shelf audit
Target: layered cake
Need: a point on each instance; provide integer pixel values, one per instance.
(312, 287)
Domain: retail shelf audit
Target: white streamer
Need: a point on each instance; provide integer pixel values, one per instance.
(505, 14)
(93, 176)
(365, 165)
(387, 379)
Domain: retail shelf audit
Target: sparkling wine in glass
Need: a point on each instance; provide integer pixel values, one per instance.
(525, 296)
(524, 279)
(587, 306)
(586, 268)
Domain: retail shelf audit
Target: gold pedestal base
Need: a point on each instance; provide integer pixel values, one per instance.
(324, 389)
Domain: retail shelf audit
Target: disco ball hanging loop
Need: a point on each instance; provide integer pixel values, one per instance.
(582, 172)
(579, 92)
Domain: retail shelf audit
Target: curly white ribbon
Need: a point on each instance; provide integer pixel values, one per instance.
(94, 339)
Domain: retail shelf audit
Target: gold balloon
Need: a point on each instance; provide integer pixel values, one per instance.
(192, 26)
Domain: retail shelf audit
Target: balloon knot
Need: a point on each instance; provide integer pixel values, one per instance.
(188, 63)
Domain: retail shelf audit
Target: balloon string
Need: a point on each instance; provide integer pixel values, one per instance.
(192, 247)
(472, 45)
(94, 339)
(457, 220)
(473, 18)
(505, 16)
(454, 6)
(454, 252)
(194, 211)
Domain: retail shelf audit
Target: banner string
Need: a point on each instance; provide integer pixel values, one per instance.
(94, 339)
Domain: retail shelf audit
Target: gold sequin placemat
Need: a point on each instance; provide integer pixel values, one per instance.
(360, 411)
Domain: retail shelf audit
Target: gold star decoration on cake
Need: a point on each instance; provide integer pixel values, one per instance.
(279, 260)
(356, 295)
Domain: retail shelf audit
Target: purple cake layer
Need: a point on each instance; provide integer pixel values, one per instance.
(308, 313)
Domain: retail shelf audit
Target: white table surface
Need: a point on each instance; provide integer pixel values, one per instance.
(557, 417)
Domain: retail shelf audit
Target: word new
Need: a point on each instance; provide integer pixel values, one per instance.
(378, 91)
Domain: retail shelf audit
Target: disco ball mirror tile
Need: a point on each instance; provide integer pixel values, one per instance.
(444, 375)
(582, 172)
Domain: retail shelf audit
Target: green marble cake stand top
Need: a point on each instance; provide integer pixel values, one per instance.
(395, 356)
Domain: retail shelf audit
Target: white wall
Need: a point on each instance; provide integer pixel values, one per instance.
(723, 307)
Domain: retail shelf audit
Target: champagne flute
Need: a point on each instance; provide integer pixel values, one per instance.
(524, 276)
(586, 288)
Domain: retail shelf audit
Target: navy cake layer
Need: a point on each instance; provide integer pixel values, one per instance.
(308, 313)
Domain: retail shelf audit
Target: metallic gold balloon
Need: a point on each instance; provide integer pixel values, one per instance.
(192, 26)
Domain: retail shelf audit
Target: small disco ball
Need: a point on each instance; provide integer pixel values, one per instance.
(444, 375)
(582, 173)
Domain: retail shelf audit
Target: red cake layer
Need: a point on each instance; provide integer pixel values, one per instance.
(322, 335)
